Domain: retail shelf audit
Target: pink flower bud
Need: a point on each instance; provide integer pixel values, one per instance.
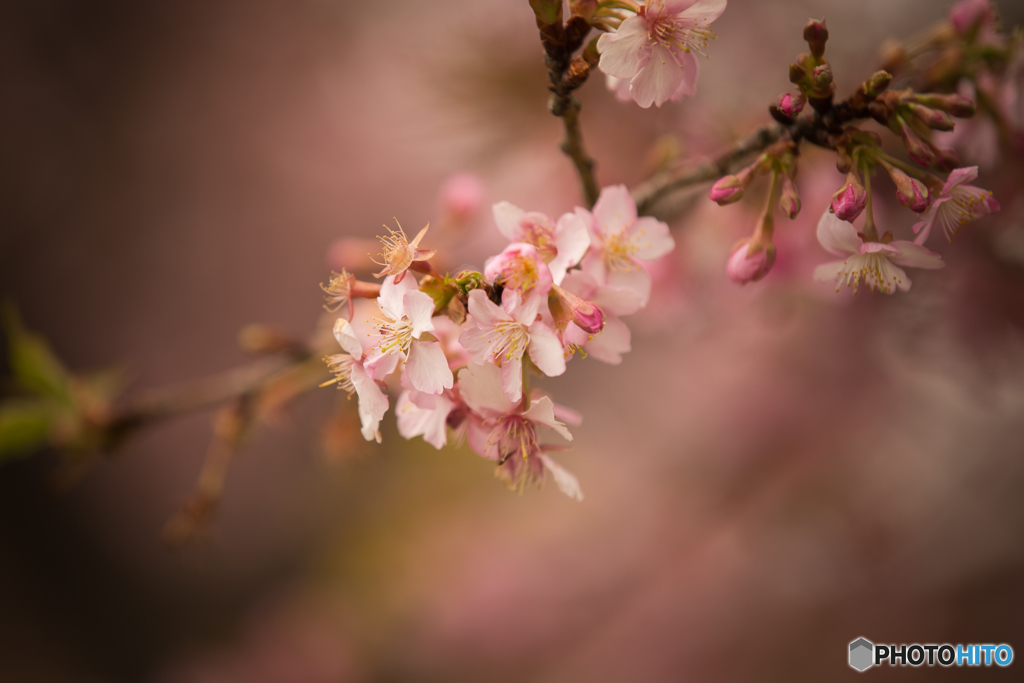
(789, 200)
(728, 190)
(566, 306)
(816, 34)
(461, 196)
(919, 150)
(750, 261)
(933, 118)
(966, 15)
(790, 104)
(957, 105)
(849, 200)
(911, 192)
(946, 159)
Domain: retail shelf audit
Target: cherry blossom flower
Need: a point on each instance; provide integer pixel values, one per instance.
(460, 197)
(560, 244)
(406, 315)
(524, 276)
(501, 430)
(613, 340)
(876, 263)
(620, 241)
(494, 334)
(343, 288)
(351, 376)
(956, 206)
(399, 253)
(656, 50)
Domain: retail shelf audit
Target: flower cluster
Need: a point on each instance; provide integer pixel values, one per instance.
(462, 348)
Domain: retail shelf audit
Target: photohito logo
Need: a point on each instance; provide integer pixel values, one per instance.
(864, 654)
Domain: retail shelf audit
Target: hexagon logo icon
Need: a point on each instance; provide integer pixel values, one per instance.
(861, 654)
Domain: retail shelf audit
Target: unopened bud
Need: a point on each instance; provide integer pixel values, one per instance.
(816, 35)
(911, 192)
(849, 200)
(583, 8)
(751, 260)
(968, 15)
(822, 76)
(919, 150)
(877, 84)
(946, 159)
(790, 104)
(957, 105)
(727, 190)
(568, 307)
(789, 200)
(933, 118)
(461, 197)
(797, 74)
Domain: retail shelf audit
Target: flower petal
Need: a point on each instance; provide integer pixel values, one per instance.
(652, 239)
(545, 350)
(624, 51)
(572, 239)
(512, 377)
(542, 411)
(658, 79)
(915, 256)
(614, 210)
(419, 308)
(347, 338)
(957, 177)
(427, 369)
(480, 388)
(609, 344)
(416, 418)
(507, 217)
(372, 402)
(566, 481)
(837, 236)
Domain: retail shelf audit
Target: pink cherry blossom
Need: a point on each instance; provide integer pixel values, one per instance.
(351, 376)
(656, 50)
(620, 240)
(876, 263)
(524, 276)
(613, 340)
(560, 244)
(956, 206)
(495, 335)
(501, 430)
(461, 196)
(406, 315)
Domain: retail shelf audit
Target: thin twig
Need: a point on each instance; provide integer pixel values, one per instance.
(573, 147)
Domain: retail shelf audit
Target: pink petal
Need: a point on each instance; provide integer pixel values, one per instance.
(485, 311)
(959, 176)
(704, 11)
(427, 369)
(416, 419)
(653, 239)
(347, 338)
(691, 71)
(614, 211)
(372, 402)
(624, 52)
(637, 280)
(566, 481)
(915, 256)
(507, 217)
(419, 308)
(480, 387)
(572, 239)
(380, 365)
(391, 294)
(837, 236)
(542, 411)
(512, 378)
(658, 79)
(545, 350)
(609, 344)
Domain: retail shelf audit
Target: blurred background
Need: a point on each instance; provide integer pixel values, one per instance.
(774, 471)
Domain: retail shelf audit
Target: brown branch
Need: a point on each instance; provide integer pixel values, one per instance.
(573, 147)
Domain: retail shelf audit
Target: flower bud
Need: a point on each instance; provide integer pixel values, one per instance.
(919, 150)
(797, 74)
(790, 104)
(567, 307)
(968, 15)
(911, 192)
(816, 34)
(849, 200)
(933, 118)
(751, 260)
(727, 190)
(461, 197)
(821, 77)
(583, 8)
(946, 159)
(789, 201)
(957, 105)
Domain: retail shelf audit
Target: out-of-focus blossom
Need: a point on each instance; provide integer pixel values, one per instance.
(957, 205)
(351, 376)
(876, 263)
(972, 15)
(656, 50)
(506, 433)
(399, 253)
(560, 244)
(406, 316)
(495, 335)
(461, 196)
(613, 340)
(525, 278)
(620, 241)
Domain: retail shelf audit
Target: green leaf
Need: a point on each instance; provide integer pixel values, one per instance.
(33, 363)
(24, 428)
